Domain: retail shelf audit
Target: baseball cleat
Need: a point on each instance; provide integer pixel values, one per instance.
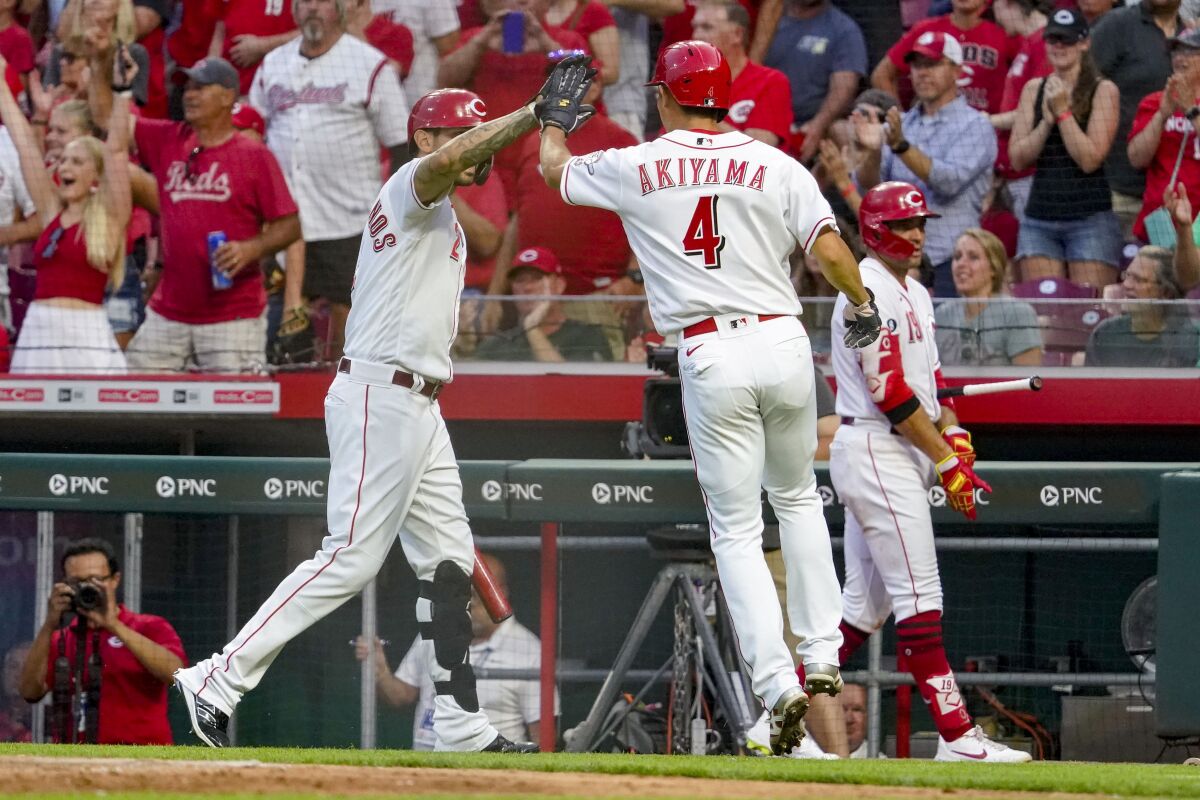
(974, 746)
(823, 679)
(787, 720)
(209, 723)
(758, 738)
(503, 745)
(810, 750)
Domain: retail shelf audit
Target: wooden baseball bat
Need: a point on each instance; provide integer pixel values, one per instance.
(1033, 384)
(489, 590)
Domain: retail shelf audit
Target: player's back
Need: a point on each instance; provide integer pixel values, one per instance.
(408, 281)
(712, 218)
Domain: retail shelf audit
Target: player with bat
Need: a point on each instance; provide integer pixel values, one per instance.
(392, 472)
(900, 435)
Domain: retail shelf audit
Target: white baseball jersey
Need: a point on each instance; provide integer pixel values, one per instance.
(408, 282)
(326, 118)
(511, 705)
(428, 20)
(702, 213)
(905, 354)
(14, 196)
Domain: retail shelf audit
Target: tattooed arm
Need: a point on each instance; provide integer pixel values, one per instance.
(438, 171)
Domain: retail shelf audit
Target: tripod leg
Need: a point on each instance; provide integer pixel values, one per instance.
(735, 712)
(583, 740)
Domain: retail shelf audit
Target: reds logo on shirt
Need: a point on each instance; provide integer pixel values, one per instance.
(280, 97)
(739, 112)
(211, 185)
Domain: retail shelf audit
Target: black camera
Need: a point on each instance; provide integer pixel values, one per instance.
(661, 433)
(88, 596)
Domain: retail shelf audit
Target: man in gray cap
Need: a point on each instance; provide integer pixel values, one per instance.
(224, 206)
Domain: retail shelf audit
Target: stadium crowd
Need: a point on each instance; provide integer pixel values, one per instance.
(185, 185)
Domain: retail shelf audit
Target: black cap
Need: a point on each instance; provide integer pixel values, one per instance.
(208, 71)
(1189, 38)
(1067, 24)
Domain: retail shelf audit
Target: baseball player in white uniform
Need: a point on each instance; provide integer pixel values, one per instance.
(895, 442)
(392, 469)
(712, 218)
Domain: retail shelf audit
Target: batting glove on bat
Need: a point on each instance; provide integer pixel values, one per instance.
(561, 100)
(960, 482)
(959, 440)
(862, 323)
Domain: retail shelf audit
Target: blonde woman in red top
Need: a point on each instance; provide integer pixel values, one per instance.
(81, 249)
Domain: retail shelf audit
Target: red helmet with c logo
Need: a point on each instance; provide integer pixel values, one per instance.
(696, 75)
(892, 201)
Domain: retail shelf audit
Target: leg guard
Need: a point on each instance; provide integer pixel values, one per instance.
(444, 620)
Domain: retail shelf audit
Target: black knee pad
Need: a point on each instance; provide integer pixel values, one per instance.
(449, 626)
(461, 687)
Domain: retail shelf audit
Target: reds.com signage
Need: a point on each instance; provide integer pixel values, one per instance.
(140, 397)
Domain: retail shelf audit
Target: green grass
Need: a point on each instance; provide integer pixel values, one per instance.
(1127, 780)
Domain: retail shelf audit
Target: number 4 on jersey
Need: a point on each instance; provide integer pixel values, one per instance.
(703, 238)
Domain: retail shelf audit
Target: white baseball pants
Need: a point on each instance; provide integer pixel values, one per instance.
(891, 563)
(751, 418)
(392, 470)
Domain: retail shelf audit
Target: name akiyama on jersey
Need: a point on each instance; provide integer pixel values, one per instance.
(669, 173)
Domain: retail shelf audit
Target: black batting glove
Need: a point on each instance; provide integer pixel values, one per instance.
(560, 103)
(862, 323)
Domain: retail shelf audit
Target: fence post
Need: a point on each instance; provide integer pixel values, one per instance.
(874, 695)
(547, 728)
(131, 572)
(42, 585)
(368, 710)
(232, 547)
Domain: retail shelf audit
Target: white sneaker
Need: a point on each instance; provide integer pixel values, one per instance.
(809, 749)
(758, 738)
(974, 746)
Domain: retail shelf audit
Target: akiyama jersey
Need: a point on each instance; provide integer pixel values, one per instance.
(408, 281)
(711, 217)
(326, 118)
(901, 363)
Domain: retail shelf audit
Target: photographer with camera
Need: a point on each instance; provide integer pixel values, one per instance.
(124, 667)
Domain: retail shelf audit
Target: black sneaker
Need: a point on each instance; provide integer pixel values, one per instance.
(209, 723)
(502, 745)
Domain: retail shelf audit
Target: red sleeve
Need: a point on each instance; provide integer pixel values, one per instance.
(899, 50)
(159, 631)
(595, 16)
(150, 136)
(940, 381)
(393, 40)
(274, 199)
(465, 37)
(18, 49)
(883, 367)
(773, 109)
(1145, 111)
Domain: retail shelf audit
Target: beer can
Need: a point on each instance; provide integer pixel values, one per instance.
(220, 280)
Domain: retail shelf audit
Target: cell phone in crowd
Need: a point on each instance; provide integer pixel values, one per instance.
(514, 32)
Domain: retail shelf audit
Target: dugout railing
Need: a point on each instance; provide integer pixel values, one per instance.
(1109, 508)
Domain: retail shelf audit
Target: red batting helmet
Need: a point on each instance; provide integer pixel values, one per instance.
(446, 108)
(893, 201)
(449, 108)
(696, 75)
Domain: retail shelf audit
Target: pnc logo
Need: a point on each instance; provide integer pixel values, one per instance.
(167, 487)
(828, 497)
(60, 484)
(276, 489)
(494, 491)
(601, 493)
(604, 493)
(1072, 495)
(273, 488)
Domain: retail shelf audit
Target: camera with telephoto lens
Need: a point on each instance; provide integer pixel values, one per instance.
(88, 596)
(661, 433)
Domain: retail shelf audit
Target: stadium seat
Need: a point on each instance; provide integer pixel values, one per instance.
(1066, 330)
(1053, 288)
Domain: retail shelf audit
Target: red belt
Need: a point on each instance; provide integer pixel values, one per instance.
(710, 325)
(431, 389)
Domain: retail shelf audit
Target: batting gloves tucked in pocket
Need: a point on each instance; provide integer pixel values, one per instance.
(959, 440)
(960, 483)
(862, 323)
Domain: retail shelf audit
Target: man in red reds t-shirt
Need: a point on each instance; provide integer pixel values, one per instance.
(253, 28)
(211, 179)
(1162, 121)
(760, 97)
(482, 212)
(987, 51)
(589, 242)
(139, 653)
(506, 81)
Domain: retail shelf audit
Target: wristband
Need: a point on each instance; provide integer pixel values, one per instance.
(901, 148)
(847, 191)
(1064, 116)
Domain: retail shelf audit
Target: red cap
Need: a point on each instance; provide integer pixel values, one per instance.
(936, 45)
(245, 118)
(539, 258)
